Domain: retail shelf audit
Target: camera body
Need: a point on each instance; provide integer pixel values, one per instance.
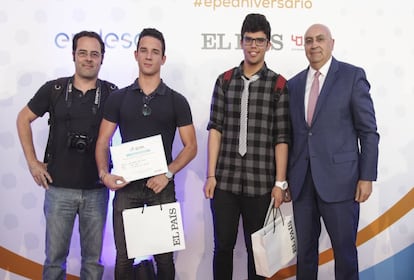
(78, 141)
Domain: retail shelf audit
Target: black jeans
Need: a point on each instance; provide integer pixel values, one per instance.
(226, 209)
(134, 195)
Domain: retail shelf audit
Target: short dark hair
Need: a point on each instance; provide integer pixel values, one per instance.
(152, 32)
(255, 23)
(90, 34)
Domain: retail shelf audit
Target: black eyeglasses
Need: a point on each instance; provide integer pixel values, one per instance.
(146, 109)
(260, 42)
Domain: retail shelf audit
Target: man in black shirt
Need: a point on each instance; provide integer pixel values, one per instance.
(147, 107)
(68, 173)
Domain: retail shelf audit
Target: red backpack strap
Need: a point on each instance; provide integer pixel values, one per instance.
(279, 86)
(280, 83)
(228, 74)
(226, 79)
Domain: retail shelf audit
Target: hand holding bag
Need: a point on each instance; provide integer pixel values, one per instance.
(151, 230)
(274, 245)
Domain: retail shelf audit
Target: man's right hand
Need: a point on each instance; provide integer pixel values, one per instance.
(40, 175)
(113, 182)
(209, 187)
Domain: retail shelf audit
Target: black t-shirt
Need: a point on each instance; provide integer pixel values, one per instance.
(169, 110)
(75, 119)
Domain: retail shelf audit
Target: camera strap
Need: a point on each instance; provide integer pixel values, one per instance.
(69, 97)
(57, 89)
(95, 106)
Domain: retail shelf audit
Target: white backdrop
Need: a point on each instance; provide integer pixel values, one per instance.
(201, 42)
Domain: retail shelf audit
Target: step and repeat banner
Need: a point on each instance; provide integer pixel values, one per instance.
(202, 41)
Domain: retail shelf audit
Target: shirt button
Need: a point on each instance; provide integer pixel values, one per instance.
(310, 133)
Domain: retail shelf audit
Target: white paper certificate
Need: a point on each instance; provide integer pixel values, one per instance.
(139, 159)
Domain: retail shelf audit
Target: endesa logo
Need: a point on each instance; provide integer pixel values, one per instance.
(111, 39)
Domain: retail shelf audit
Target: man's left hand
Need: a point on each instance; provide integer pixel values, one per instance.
(363, 191)
(157, 183)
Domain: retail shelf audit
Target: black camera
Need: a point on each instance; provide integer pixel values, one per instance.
(78, 141)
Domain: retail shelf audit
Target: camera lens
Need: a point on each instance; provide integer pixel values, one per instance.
(78, 142)
(80, 145)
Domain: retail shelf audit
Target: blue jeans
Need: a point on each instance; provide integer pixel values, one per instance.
(135, 195)
(226, 209)
(61, 206)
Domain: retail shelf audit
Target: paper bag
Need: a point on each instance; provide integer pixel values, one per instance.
(153, 230)
(274, 245)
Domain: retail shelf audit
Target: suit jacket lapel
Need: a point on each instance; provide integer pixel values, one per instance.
(326, 88)
(301, 99)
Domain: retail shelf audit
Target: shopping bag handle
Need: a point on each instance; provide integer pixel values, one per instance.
(145, 206)
(273, 211)
(159, 203)
(269, 210)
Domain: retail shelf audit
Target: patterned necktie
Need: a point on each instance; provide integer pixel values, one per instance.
(313, 97)
(243, 114)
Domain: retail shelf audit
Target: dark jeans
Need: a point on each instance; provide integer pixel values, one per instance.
(135, 195)
(226, 208)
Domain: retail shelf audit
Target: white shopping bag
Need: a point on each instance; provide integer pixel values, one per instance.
(153, 230)
(274, 245)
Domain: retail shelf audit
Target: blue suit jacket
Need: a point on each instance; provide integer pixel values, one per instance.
(341, 145)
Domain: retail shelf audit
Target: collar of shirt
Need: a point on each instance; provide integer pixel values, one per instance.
(160, 90)
(238, 73)
(324, 71)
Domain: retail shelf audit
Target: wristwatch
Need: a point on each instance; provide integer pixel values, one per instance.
(281, 184)
(169, 175)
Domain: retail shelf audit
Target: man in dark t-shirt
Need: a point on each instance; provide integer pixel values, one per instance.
(146, 108)
(69, 174)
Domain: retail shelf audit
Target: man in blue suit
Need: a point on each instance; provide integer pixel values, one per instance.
(334, 154)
